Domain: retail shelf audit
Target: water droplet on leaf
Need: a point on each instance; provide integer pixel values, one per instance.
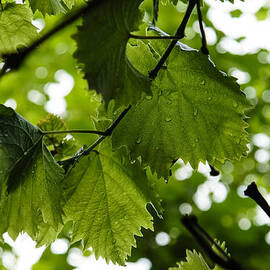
(202, 82)
(169, 101)
(209, 98)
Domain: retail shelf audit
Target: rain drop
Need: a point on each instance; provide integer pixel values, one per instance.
(138, 140)
(197, 140)
(209, 98)
(25, 153)
(202, 82)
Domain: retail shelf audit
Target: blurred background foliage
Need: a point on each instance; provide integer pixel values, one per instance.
(50, 82)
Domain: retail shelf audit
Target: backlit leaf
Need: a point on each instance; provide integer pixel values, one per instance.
(103, 53)
(196, 113)
(106, 199)
(30, 179)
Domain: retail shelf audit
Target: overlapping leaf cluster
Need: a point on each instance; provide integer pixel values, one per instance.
(190, 110)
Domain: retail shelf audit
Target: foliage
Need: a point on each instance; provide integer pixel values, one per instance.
(125, 84)
(104, 186)
(16, 28)
(194, 260)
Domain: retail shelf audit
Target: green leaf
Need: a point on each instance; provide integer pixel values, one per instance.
(30, 179)
(196, 113)
(106, 199)
(194, 261)
(16, 28)
(51, 7)
(103, 53)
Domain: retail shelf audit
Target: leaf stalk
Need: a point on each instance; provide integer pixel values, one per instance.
(253, 192)
(209, 244)
(83, 131)
(204, 48)
(180, 33)
(154, 37)
(106, 133)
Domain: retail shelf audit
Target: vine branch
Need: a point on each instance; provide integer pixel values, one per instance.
(208, 244)
(253, 192)
(105, 134)
(180, 33)
(14, 60)
(204, 48)
(155, 11)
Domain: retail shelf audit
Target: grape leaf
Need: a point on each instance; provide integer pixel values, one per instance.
(194, 261)
(51, 7)
(30, 179)
(106, 199)
(103, 55)
(16, 28)
(196, 113)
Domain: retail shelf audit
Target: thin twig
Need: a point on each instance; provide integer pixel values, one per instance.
(213, 171)
(107, 133)
(14, 60)
(153, 37)
(155, 11)
(52, 132)
(207, 243)
(204, 42)
(253, 192)
(180, 33)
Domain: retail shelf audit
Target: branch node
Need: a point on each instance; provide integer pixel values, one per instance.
(253, 192)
